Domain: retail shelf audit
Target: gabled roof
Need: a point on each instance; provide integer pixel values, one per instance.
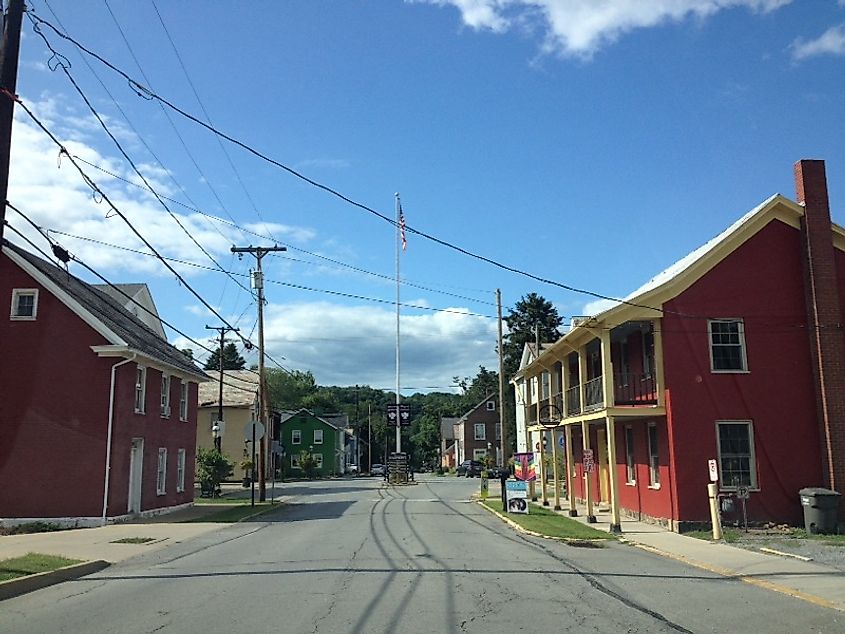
(447, 429)
(137, 299)
(239, 389)
(104, 314)
(335, 421)
(489, 397)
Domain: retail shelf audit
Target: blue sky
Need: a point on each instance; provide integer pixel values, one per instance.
(590, 142)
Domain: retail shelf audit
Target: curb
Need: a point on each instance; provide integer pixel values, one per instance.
(30, 583)
(566, 540)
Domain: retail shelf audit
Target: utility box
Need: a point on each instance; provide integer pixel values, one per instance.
(821, 509)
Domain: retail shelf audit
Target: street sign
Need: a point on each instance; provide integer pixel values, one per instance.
(561, 441)
(401, 412)
(516, 494)
(259, 430)
(743, 492)
(714, 470)
(589, 461)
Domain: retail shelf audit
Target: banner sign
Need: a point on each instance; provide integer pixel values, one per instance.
(523, 464)
(516, 496)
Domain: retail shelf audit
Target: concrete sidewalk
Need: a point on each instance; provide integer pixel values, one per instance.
(816, 583)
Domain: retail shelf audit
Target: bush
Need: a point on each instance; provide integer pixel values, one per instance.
(212, 468)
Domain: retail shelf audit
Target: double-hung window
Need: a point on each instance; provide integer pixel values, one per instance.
(653, 457)
(296, 436)
(140, 389)
(165, 395)
(736, 454)
(24, 304)
(183, 400)
(480, 431)
(318, 460)
(727, 345)
(318, 436)
(161, 474)
(180, 471)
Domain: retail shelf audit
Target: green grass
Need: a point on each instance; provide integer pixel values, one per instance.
(31, 564)
(551, 524)
(236, 512)
(134, 540)
(729, 535)
(223, 500)
(31, 527)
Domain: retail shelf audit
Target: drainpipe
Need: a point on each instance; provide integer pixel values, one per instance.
(108, 438)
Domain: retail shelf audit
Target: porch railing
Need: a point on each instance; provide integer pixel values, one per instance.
(594, 393)
(634, 389)
(573, 400)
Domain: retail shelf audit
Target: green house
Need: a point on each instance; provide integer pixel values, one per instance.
(323, 437)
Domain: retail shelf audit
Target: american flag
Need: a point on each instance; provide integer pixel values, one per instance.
(402, 228)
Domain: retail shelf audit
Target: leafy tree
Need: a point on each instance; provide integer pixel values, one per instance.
(231, 359)
(530, 311)
(188, 352)
(289, 390)
(212, 468)
(474, 390)
(308, 465)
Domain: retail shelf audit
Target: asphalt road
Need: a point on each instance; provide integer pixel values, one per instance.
(354, 556)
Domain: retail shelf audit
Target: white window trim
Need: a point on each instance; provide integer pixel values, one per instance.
(17, 292)
(755, 485)
(318, 460)
(653, 483)
(491, 406)
(161, 472)
(180, 471)
(320, 441)
(742, 346)
(165, 395)
(183, 401)
(483, 431)
(631, 478)
(294, 461)
(293, 436)
(141, 408)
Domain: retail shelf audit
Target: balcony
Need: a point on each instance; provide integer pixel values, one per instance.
(594, 394)
(573, 400)
(635, 389)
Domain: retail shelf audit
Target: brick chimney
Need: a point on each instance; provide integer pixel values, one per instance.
(824, 318)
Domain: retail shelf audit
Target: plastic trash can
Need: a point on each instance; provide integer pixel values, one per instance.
(821, 509)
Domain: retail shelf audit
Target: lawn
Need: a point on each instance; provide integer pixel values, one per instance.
(551, 524)
(31, 564)
(237, 510)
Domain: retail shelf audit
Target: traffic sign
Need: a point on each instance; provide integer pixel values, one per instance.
(714, 470)
(743, 492)
(259, 430)
(561, 441)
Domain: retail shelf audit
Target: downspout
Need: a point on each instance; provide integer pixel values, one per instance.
(108, 437)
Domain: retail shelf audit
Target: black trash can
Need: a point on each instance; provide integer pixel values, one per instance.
(821, 509)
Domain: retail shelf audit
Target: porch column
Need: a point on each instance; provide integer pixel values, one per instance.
(570, 471)
(582, 378)
(555, 469)
(658, 362)
(543, 492)
(615, 522)
(588, 486)
(607, 370)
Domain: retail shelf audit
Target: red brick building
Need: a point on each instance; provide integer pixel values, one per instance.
(98, 412)
(477, 433)
(735, 354)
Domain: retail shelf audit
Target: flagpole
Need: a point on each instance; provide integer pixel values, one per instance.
(398, 398)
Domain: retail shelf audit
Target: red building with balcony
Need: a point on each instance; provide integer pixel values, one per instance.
(98, 414)
(735, 353)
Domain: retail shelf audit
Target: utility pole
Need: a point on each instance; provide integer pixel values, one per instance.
(502, 414)
(370, 436)
(8, 82)
(258, 284)
(218, 440)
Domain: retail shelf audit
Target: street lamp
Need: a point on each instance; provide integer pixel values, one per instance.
(215, 434)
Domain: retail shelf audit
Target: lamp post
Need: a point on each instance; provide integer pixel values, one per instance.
(215, 433)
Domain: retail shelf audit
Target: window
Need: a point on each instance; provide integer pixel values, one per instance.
(180, 471)
(653, 457)
(480, 431)
(140, 389)
(491, 406)
(479, 454)
(736, 455)
(183, 400)
(24, 304)
(296, 436)
(318, 460)
(161, 475)
(727, 345)
(318, 436)
(629, 456)
(498, 431)
(294, 461)
(165, 395)
(545, 387)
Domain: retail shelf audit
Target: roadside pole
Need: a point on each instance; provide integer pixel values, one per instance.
(8, 82)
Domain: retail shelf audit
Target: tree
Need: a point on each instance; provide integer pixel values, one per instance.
(212, 468)
(289, 390)
(474, 390)
(530, 311)
(231, 359)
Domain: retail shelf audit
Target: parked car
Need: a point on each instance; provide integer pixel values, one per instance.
(494, 473)
(469, 468)
(378, 470)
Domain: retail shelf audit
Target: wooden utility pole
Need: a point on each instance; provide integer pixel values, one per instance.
(8, 82)
(258, 284)
(502, 414)
(218, 441)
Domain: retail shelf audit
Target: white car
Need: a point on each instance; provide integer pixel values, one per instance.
(378, 470)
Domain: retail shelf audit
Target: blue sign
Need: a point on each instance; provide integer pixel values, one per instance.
(516, 485)
(562, 442)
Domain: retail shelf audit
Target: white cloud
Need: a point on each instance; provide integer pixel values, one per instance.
(597, 306)
(579, 28)
(831, 42)
(345, 345)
